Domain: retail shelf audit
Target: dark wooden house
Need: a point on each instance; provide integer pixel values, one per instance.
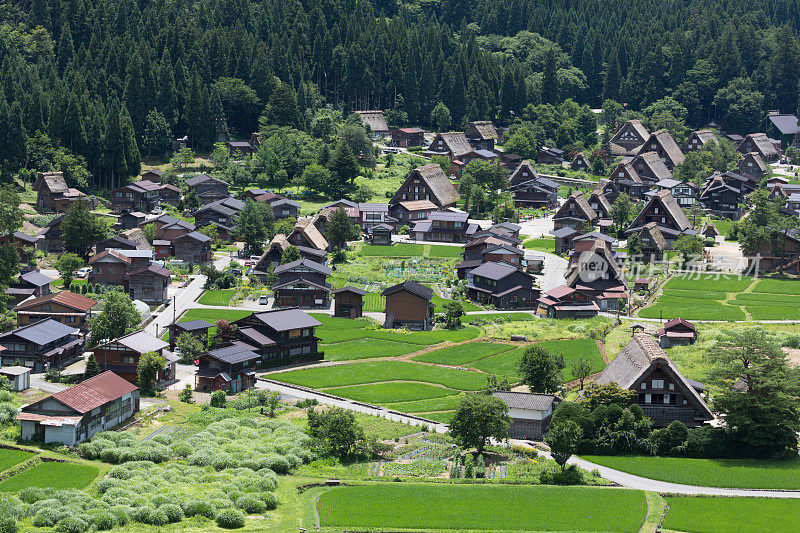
(580, 162)
(149, 284)
(408, 305)
(230, 368)
(677, 332)
(410, 211)
(302, 283)
(566, 302)
(629, 138)
(207, 188)
(626, 179)
(762, 145)
(380, 234)
(698, 139)
(66, 307)
(428, 182)
(348, 302)
(662, 143)
(42, 345)
(53, 194)
(196, 328)
(530, 413)
(408, 137)
(752, 165)
(222, 214)
(306, 234)
(140, 195)
(501, 285)
(121, 356)
(280, 336)
(662, 391)
(662, 209)
(482, 135)
(193, 248)
(452, 144)
(444, 226)
(650, 168)
(550, 156)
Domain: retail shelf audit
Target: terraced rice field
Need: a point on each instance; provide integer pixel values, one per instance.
(51, 475)
(486, 508)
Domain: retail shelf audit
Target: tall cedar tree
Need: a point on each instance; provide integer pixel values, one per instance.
(339, 228)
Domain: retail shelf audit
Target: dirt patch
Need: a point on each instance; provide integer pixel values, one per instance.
(793, 355)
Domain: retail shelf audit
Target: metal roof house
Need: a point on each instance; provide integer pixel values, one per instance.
(75, 414)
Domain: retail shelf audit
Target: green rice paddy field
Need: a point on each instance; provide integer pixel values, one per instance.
(51, 475)
(9, 458)
(712, 297)
(487, 508)
(221, 297)
(732, 515)
(733, 473)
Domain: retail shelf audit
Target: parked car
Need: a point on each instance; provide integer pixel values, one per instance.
(83, 272)
(263, 300)
(236, 272)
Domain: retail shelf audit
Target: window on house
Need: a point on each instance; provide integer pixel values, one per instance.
(643, 385)
(658, 383)
(127, 360)
(648, 398)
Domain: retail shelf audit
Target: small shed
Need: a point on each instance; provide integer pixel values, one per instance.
(530, 413)
(348, 302)
(19, 376)
(677, 332)
(710, 230)
(381, 234)
(641, 284)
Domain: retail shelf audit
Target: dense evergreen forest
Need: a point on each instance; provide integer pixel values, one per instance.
(88, 81)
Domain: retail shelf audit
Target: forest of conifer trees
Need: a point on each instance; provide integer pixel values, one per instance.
(82, 80)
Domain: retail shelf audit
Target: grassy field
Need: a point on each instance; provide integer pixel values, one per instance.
(490, 507)
(734, 473)
(497, 318)
(9, 458)
(544, 330)
(709, 298)
(396, 250)
(212, 315)
(380, 371)
(52, 475)
(445, 252)
(374, 303)
(439, 302)
(777, 286)
(507, 364)
(222, 297)
(692, 309)
(723, 225)
(381, 428)
(709, 282)
(365, 349)
(427, 405)
(463, 353)
(439, 416)
(732, 515)
(543, 245)
(397, 391)
(331, 333)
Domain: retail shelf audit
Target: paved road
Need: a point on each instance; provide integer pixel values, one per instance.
(641, 483)
(38, 382)
(182, 301)
(347, 404)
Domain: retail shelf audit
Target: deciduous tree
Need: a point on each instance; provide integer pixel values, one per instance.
(477, 418)
(541, 370)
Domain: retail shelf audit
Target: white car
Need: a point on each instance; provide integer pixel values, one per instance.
(263, 300)
(83, 272)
